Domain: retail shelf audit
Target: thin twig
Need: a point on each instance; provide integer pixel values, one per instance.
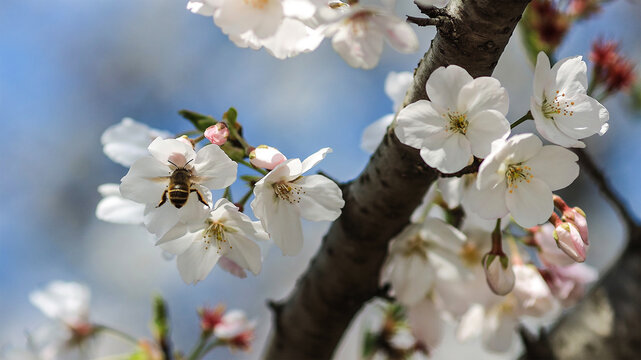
(425, 21)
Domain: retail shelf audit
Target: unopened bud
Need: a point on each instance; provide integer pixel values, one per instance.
(266, 157)
(498, 273)
(217, 134)
(577, 217)
(569, 240)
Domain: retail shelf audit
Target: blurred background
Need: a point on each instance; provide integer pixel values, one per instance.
(71, 68)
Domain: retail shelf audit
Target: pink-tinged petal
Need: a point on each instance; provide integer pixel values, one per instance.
(530, 203)
(166, 149)
(571, 75)
(555, 165)
(548, 129)
(483, 93)
(244, 252)
(569, 240)
(549, 252)
(426, 323)
(213, 168)
(313, 159)
(231, 267)
(488, 203)
(484, 128)
(398, 33)
(452, 157)
(360, 49)
(374, 133)
(320, 199)
(542, 75)
(143, 183)
(197, 261)
(419, 124)
(267, 157)
(445, 84)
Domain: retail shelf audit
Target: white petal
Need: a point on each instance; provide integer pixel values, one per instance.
(244, 252)
(163, 149)
(127, 141)
(214, 168)
(359, 50)
(292, 38)
(119, 210)
(179, 244)
(471, 324)
(582, 118)
(548, 129)
(523, 147)
(411, 278)
(236, 17)
(138, 185)
(541, 76)
(321, 199)
(420, 124)
(488, 203)
(374, 133)
(571, 75)
(396, 85)
(498, 331)
(427, 326)
(314, 159)
(444, 85)
(197, 262)
(452, 157)
(530, 203)
(66, 301)
(159, 220)
(483, 93)
(485, 127)
(555, 165)
(398, 33)
(286, 171)
(451, 190)
(301, 9)
(280, 219)
(194, 211)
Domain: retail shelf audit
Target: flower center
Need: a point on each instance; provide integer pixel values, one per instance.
(288, 191)
(215, 231)
(557, 106)
(257, 4)
(416, 246)
(470, 254)
(517, 173)
(458, 122)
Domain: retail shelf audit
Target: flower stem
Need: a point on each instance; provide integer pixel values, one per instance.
(523, 118)
(198, 139)
(200, 345)
(227, 194)
(262, 171)
(117, 333)
(210, 347)
(233, 132)
(496, 238)
(243, 200)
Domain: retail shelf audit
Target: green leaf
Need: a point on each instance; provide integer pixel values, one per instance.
(200, 121)
(235, 153)
(230, 116)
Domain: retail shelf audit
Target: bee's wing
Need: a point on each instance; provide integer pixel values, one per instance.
(159, 178)
(198, 179)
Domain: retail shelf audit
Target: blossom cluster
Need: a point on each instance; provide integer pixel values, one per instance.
(168, 190)
(450, 265)
(286, 28)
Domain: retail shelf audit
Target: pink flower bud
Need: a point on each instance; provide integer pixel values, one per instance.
(266, 157)
(217, 133)
(577, 217)
(498, 273)
(569, 240)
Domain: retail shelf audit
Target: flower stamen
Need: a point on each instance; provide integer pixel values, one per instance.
(557, 106)
(288, 191)
(217, 231)
(458, 122)
(517, 173)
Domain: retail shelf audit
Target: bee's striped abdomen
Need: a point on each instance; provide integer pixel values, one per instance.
(178, 196)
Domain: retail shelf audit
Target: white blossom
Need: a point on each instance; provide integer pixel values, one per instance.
(284, 195)
(127, 141)
(116, 209)
(358, 33)
(148, 179)
(462, 118)
(396, 85)
(562, 110)
(227, 233)
(415, 254)
(519, 176)
(425, 320)
(437, 3)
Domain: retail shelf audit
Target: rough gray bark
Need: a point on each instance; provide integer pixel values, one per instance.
(344, 273)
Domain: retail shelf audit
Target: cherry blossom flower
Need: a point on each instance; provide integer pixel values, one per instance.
(569, 240)
(396, 85)
(425, 320)
(267, 157)
(225, 232)
(148, 179)
(414, 255)
(519, 176)
(211, 317)
(463, 118)
(284, 195)
(358, 33)
(236, 330)
(116, 209)
(567, 283)
(562, 110)
(127, 141)
(496, 322)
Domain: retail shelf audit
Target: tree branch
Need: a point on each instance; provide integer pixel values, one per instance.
(344, 274)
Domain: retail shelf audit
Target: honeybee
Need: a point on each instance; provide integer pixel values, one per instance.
(179, 188)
